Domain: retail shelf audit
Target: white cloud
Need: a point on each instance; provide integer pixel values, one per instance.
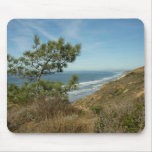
(39, 28)
(94, 45)
(70, 29)
(42, 31)
(22, 44)
(23, 37)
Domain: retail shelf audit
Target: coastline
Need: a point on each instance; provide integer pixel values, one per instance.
(102, 85)
(111, 87)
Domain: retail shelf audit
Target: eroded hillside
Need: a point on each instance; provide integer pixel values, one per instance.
(119, 105)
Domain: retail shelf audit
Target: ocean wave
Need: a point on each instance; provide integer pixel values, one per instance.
(89, 87)
(76, 92)
(103, 80)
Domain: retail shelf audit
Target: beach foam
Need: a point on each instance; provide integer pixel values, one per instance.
(89, 87)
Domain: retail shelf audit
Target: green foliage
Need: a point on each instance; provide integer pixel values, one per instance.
(29, 92)
(23, 94)
(116, 92)
(46, 58)
(43, 59)
(132, 122)
(73, 83)
(97, 109)
(130, 74)
(99, 125)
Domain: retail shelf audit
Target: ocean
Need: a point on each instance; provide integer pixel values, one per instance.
(89, 81)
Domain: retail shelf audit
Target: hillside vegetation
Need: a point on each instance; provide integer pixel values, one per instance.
(117, 107)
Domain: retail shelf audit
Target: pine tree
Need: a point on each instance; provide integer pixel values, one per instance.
(46, 58)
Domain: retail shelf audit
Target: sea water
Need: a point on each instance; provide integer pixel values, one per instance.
(89, 81)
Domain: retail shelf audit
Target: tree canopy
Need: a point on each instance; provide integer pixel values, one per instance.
(45, 58)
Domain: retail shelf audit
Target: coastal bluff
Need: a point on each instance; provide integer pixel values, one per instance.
(119, 102)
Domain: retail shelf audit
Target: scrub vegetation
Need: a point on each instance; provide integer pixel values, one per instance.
(40, 106)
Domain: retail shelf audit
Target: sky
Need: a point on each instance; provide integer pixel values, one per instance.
(107, 44)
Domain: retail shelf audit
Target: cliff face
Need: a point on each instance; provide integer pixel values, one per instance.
(119, 104)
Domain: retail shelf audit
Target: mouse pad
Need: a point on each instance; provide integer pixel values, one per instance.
(75, 76)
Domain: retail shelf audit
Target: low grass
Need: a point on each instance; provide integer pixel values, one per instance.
(51, 115)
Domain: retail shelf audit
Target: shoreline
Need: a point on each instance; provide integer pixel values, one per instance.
(123, 75)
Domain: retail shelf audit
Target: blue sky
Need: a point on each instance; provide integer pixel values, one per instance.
(107, 44)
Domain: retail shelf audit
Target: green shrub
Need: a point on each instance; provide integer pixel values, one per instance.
(22, 94)
(132, 122)
(99, 125)
(29, 92)
(96, 109)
